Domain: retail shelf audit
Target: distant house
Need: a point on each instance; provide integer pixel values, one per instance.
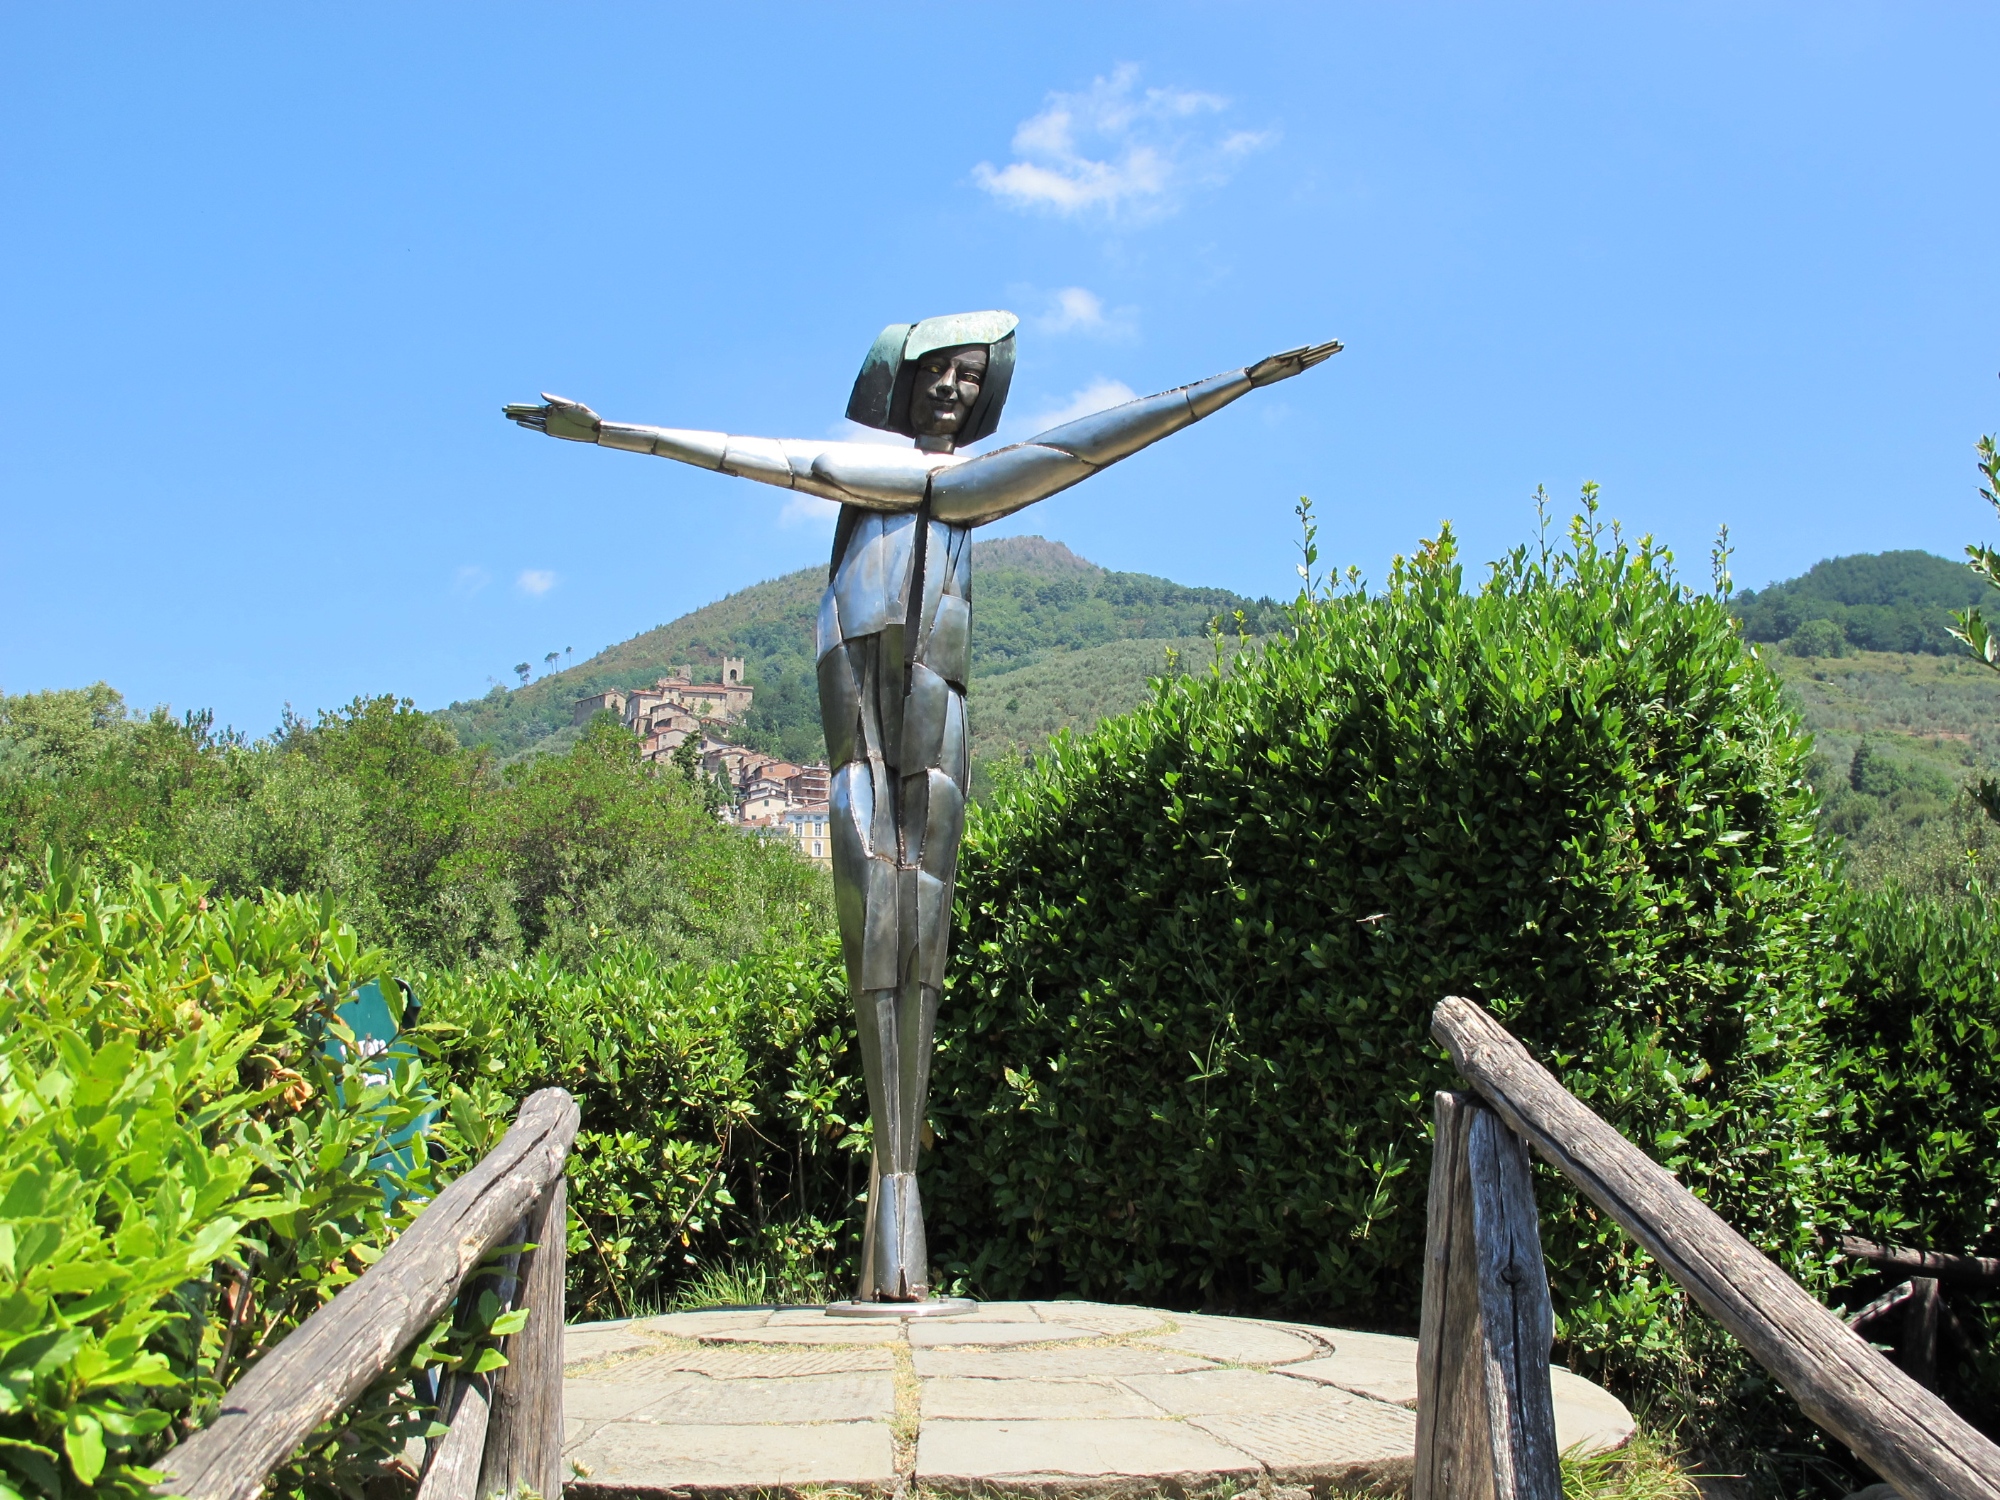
(673, 708)
(806, 827)
(770, 797)
(811, 784)
(589, 708)
(761, 800)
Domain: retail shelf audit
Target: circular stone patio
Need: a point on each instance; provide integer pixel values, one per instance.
(1029, 1398)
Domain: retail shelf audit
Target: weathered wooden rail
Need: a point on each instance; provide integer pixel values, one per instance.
(504, 1435)
(1485, 1425)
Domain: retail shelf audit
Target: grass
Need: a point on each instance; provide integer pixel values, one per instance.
(1935, 717)
(751, 1286)
(1646, 1468)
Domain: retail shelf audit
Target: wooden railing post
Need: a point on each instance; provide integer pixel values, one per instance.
(524, 1438)
(1486, 1425)
(329, 1359)
(465, 1402)
(1899, 1429)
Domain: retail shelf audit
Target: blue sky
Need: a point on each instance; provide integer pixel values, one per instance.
(269, 273)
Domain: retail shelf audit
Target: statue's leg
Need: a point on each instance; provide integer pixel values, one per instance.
(896, 741)
(862, 794)
(931, 756)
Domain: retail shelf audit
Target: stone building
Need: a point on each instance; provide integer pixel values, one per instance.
(674, 708)
(769, 797)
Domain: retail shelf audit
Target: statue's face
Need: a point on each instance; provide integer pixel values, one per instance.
(947, 385)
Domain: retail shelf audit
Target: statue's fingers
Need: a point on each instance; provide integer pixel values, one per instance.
(1319, 352)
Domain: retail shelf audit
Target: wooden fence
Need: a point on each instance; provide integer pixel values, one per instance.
(1485, 1418)
(505, 1430)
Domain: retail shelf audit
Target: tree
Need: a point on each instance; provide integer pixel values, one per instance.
(522, 669)
(1818, 638)
(687, 758)
(1970, 626)
(550, 660)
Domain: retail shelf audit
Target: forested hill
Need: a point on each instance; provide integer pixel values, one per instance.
(1880, 601)
(1033, 599)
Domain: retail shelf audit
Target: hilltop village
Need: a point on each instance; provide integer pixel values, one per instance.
(770, 797)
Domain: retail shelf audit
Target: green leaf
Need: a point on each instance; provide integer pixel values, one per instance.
(83, 1441)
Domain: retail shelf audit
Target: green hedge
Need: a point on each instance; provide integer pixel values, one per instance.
(1185, 1054)
(185, 1176)
(723, 1118)
(1917, 1029)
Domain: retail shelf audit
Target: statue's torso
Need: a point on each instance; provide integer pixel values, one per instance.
(893, 658)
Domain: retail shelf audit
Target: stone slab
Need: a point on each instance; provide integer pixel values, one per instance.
(753, 1363)
(1588, 1417)
(1391, 1380)
(1102, 1319)
(1384, 1367)
(1030, 1400)
(1076, 1362)
(998, 1312)
(588, 1344)
(955, 1453)
(644, 1458)
(946, 1335)
(1041, 1401)
(804, 1398)
(829, 1331)
(1214, 1393)
(695, 1324)
(1349, 1440)
(1237, 1341)
(599, 1400)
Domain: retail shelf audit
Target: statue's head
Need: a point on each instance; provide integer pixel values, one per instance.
(942, 381)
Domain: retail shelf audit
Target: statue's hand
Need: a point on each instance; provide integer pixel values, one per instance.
(1291, 362)
(558, 418)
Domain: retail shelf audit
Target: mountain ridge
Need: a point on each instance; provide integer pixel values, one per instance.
(1033, 598)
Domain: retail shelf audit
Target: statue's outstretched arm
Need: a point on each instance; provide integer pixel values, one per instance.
(998, 483)
(875, 475)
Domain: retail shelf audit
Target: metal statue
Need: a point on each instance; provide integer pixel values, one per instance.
(893, 665)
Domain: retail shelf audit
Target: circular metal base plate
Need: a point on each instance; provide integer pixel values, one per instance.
(930, 1307)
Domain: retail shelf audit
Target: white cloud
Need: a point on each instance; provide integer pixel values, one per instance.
(809, 510)
(1075, 307)
(535, 582)
(469, 580)
(1116, 149)
(1099, 395)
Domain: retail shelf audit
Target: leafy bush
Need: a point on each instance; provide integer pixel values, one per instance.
(425, 847)
(185, 1174)
(1817, 638)
(1882, 601)
(1184, 1051)
(1917, 1038)
(1920, 1026)
(723, 1118)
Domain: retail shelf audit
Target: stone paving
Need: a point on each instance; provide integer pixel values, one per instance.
(1038, 1399)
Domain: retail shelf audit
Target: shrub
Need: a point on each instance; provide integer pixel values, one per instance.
(428, 850)
(1917, 1033)
(723, 1118)
(1185, 1054)
(185, 1176)
(1817, 638)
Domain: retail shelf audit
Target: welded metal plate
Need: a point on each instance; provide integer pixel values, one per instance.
(998, 483)
(1105, 437)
